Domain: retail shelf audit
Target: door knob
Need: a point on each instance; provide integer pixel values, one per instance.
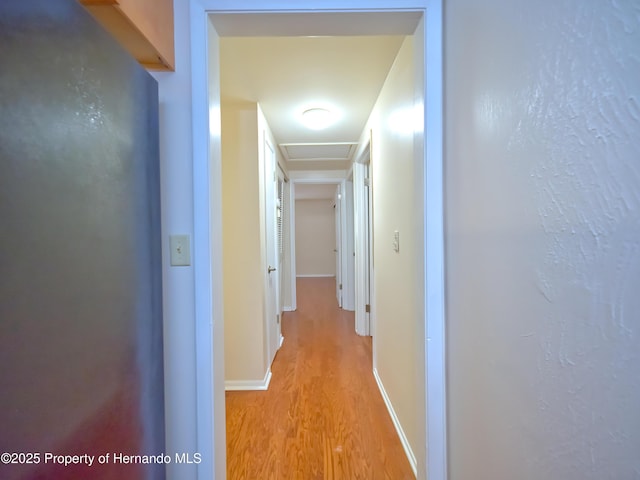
(270, 269)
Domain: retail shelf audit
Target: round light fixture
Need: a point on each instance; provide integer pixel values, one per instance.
(317, 118)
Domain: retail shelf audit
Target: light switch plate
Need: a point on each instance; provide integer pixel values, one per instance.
(180, 250)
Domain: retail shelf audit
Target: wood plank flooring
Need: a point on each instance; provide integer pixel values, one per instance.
(323, 416)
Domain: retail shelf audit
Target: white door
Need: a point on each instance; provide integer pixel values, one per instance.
(271, 249)
(363, 246)
(338, 250)
(368, 265)
(348, 248)
(281, 215)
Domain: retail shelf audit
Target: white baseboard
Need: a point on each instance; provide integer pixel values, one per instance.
(281, 341)
(396, 423)
(234, 385)
(317, 275)
(288, 309)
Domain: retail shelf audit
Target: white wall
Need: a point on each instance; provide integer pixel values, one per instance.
(177, 218)
(543, 239)
(398, 323)
(315, 238)
(244, 326)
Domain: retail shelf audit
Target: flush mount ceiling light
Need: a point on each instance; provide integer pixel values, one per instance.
(317, 118)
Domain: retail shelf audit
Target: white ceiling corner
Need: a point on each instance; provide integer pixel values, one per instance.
(294, 24)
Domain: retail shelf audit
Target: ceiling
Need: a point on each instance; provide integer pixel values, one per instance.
(288, 74)
(316, 23)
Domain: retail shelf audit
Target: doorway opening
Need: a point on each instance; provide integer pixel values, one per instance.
(210, 20)
(322, 234)
(363, 241)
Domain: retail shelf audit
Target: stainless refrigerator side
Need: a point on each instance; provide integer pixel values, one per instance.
(81, 359)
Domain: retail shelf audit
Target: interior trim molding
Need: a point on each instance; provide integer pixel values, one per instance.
(396, 423)
(243, 385)
(206, 153)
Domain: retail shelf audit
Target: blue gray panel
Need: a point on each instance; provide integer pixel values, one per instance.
(80, 265)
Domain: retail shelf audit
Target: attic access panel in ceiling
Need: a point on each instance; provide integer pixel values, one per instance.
(294, 152)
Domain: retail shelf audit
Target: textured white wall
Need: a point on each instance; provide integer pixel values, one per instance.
(543, 239)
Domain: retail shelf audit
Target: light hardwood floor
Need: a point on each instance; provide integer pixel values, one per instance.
(323, 416)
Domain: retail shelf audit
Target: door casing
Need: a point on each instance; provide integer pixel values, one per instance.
(313, 179)
(205, 62)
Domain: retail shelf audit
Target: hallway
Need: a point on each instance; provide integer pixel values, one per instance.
(323, 416)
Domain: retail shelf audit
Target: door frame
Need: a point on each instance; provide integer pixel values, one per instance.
(313, 178)
(205, 60)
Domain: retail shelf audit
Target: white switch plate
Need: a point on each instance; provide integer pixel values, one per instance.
(396, 241)
(180, 250)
